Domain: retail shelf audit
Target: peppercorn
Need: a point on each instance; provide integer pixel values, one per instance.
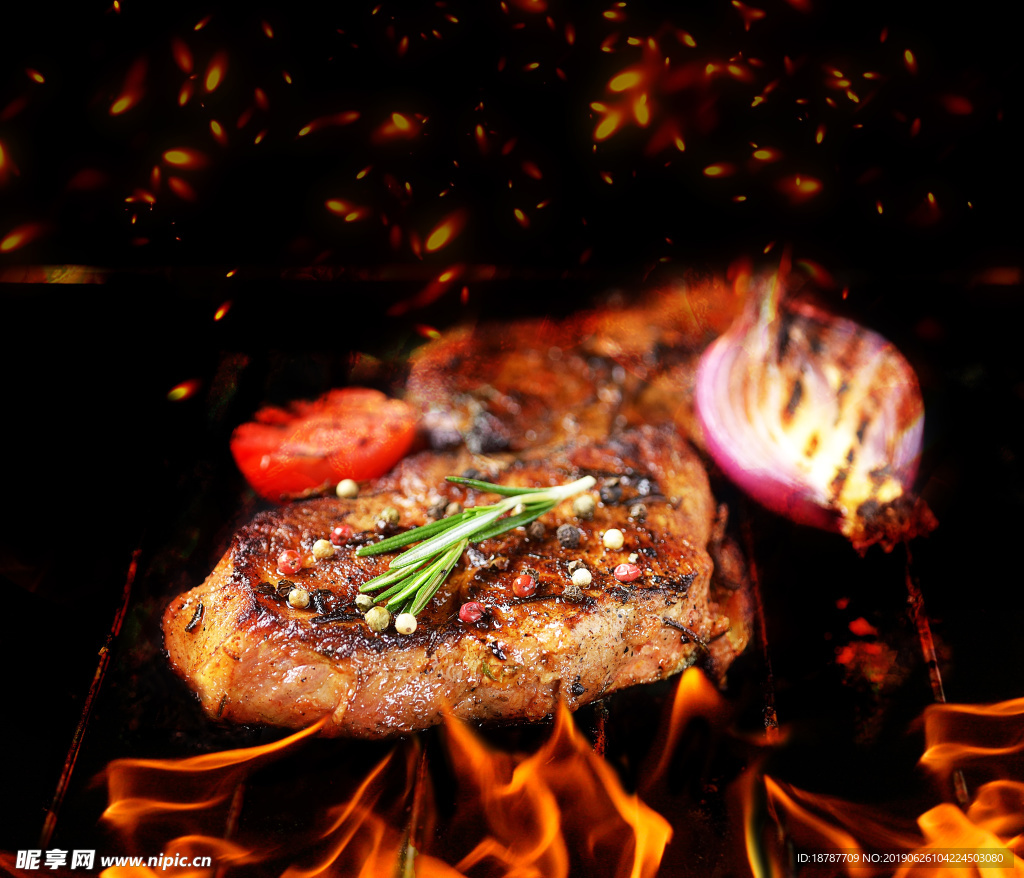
(536, 530)
(405, 623)
(627, 572)
(388, 516)
(613, 538)
(471, 611)
(568, 536)
(340, 534)
(289, 561)
(347, 489)
(323, 549)
(638, 511)
(524, 585)
(611, 492)
(378, 618)
(583, 507)
(453, 508)
(363, 602)
(298, 598)
(572, 592)
(581, 577)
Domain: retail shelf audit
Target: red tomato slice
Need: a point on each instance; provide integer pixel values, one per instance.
(353, 433)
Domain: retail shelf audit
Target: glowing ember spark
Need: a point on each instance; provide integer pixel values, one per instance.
(267, 29)
(398, 125)
(800, 187)
(767, 155)
(223, 309)
(910, 61)
(608, 126)
(641, 112)
(21, 236)
(531, 170)
(286, 76)
(445, 232)
(261, 99)
(878, 207)
(185, 95)
(481, 138)
(217, 130)
(350, 212)
(183, 390)
(607, 177)
(625, 80)
(431, 292)
(957, 105)
(522, 218)
(185, 158)
(722, 169)
(35, 75)
(749, 14)
(346, 118)
(132, 90)
(203, 22)
(182, 189)
(182, 55)
(819, 135)
(215, 71)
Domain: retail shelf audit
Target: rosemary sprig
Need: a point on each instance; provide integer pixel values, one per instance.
(414, 577)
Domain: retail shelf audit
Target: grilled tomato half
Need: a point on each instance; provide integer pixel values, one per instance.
(351, 433)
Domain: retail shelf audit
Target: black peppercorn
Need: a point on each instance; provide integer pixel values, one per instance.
(568, 536)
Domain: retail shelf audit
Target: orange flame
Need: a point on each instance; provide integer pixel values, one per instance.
(985, 742)
(562, 808)
(530, 805)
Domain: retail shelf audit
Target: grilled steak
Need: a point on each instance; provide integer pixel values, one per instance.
(253, 658)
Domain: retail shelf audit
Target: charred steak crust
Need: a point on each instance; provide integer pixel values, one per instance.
(251, 657)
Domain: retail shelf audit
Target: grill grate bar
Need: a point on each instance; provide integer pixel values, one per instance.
(50, 822)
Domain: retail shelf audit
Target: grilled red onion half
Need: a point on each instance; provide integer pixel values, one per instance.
(816, 418)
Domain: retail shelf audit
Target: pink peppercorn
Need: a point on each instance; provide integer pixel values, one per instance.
(289, 561)
(627, 572)
(471, 611)
(524, 586)
(340, 534)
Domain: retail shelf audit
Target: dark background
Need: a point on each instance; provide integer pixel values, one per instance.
(99, 461)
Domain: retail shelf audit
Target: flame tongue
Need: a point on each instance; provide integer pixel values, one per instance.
(817, 418)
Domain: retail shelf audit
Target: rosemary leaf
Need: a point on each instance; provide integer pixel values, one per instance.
(404, 588)
(446, 538)
(530, 514)
(389, 577)
(426, 595)
(414, 535)
(491, 488)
